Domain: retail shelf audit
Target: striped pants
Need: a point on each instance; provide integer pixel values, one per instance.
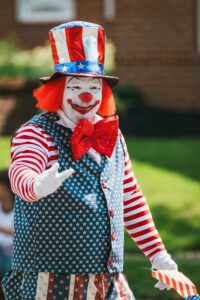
(28, 285)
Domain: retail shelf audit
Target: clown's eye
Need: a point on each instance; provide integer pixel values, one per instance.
(95, 88)
(74, 87)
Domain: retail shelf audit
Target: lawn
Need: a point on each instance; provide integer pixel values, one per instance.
(168, 174)
(4, 152)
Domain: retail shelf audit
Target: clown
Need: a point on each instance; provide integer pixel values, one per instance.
(74, 186)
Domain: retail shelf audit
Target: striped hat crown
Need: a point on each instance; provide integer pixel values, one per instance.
(78, 47)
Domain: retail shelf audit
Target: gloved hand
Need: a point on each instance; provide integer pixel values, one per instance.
(49, 181)
(163, 261)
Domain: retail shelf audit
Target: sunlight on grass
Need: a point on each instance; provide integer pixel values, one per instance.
(170, 182)
(167, 187)
(173, 200)
(4, 152)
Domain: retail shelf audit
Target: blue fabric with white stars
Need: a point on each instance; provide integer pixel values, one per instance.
(75, 24)
(84, 66)
(197, 297)
(70, 230)
(18, 285)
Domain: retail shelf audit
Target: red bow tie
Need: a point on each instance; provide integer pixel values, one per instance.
(100, 136)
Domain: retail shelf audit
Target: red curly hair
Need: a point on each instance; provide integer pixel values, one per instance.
(49, 97)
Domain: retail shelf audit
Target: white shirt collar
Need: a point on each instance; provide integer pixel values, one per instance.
(66, 122)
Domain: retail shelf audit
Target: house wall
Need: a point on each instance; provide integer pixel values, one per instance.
(156, 45)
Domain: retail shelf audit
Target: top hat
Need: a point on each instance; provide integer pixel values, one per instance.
(78, 50)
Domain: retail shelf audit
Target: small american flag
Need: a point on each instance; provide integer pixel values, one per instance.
(179, 282)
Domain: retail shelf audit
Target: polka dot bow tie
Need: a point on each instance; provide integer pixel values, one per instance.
(100, 136)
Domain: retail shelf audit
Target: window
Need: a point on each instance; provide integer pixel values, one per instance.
(109, 10)
(45, 10)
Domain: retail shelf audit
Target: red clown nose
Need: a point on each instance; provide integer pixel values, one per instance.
(85, 97)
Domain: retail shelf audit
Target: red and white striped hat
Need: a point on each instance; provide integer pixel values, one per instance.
(78, 50)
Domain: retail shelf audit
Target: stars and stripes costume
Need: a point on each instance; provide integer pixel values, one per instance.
(70, 243)
(79, 47)
(33, 147)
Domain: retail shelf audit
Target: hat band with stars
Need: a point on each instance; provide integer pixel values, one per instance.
(80, 67)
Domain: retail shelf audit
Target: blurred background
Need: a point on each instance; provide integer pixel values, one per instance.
(154, 47)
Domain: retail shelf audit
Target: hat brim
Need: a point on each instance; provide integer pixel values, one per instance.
(111, 80)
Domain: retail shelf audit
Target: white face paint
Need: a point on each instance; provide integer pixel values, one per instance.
(82, 97)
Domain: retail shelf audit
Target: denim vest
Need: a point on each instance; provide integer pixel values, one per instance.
(78, 229)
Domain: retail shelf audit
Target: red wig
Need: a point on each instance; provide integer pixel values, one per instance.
(107, 107)
(49, 97)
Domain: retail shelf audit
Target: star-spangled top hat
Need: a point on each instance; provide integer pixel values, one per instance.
(78, 50)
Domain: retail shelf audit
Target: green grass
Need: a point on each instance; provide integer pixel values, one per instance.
(168, 174)
(4, 152)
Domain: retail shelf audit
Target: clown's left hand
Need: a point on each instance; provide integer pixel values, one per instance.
(163, 261)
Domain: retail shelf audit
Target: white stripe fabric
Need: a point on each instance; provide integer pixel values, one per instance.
(125, 284)
(152, 250)
(90, 43)
(92, 290)
(42, 286)
(61, 45)
(71, 287)
(117, 288)
(136, 202)
(136, 211)
(169, 278)
(181, 288)
(143, 237)
(189, 284)
(103, 287)
(150, 243)
(145, 217)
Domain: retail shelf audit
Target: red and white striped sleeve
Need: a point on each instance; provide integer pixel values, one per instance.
(32, 152)
(138, 219)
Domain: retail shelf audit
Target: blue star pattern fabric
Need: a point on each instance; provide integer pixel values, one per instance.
(197, 297)
(72, 230)
(19, 285)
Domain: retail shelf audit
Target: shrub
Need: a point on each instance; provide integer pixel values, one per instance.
(36, 62)
(127, 97)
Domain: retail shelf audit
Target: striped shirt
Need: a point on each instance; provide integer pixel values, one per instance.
(33, 151)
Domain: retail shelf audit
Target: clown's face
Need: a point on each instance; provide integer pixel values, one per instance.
(82, 97)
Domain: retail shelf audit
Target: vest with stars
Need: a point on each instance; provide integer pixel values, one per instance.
(78, 229)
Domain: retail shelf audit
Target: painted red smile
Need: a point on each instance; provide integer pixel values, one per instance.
(80, 109)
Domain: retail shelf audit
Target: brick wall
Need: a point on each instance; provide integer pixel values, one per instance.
(156, 49)
(32, 34)
(156, 45)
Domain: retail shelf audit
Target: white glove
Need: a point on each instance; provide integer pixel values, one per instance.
(49, 181)
(163, 261)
